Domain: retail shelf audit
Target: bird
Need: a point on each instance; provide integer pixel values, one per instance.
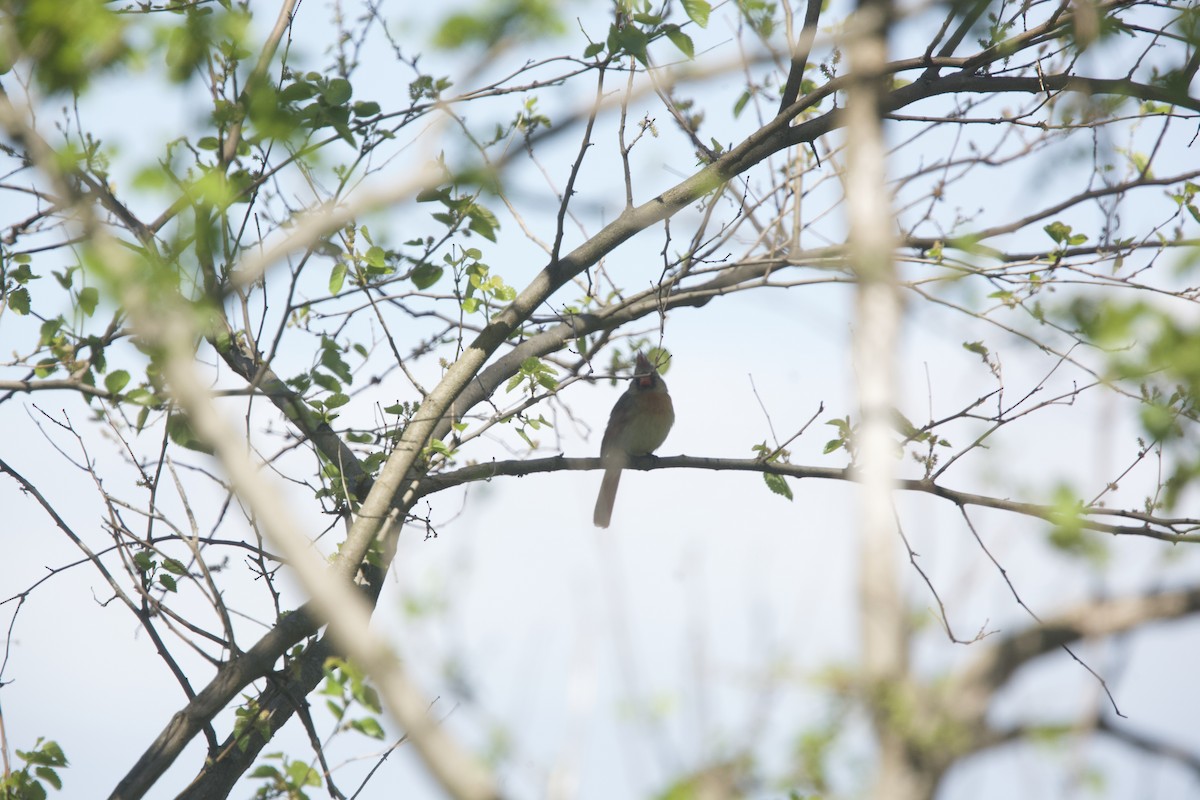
(638, 425)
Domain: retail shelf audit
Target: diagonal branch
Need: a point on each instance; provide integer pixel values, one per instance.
(800, 54)
(972, 689)
(1148, 744)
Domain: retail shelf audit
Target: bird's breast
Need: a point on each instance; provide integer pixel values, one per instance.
(648, 428)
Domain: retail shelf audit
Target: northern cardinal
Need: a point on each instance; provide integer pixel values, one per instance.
(638, 424)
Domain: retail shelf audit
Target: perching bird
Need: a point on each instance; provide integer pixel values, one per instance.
(639, 423)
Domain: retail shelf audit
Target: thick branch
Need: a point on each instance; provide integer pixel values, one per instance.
(276, 706)
(972, 691)
(230, 679)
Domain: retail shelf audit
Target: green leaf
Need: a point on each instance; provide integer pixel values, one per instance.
(327, 382)
(22, 273)
(116, 381)
(71, 41)
(697, 11)
(525, 436)
(458, 29)
(295, 92)
(301, 774)
(376, 257)
(438, 446)
(366, 108)
(778, 484)
(337, 277)
(343, 130)
(336, 400)
(337, 92)
(49, 776)
(1058, 231)
(1068, 534)
(369, 726)
(142, 397)
(978, 348)
(682, 41)
(174, 566)
(143, 560)
(49, 330)
(593, 49)
(18, 300)
(740, 105)
(167, 582)
(905, 427)
(483, 222)
(48, 755)
(65, 279)
(331, 359)
(180, 432)
(88, 298)
(426, 275)
(629, 39)
(1160, 421)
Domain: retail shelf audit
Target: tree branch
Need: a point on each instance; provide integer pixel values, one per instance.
(974, 687)
(1090, 517)
(800, 53)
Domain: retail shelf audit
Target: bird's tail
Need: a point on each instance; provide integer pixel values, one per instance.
(606, 498)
